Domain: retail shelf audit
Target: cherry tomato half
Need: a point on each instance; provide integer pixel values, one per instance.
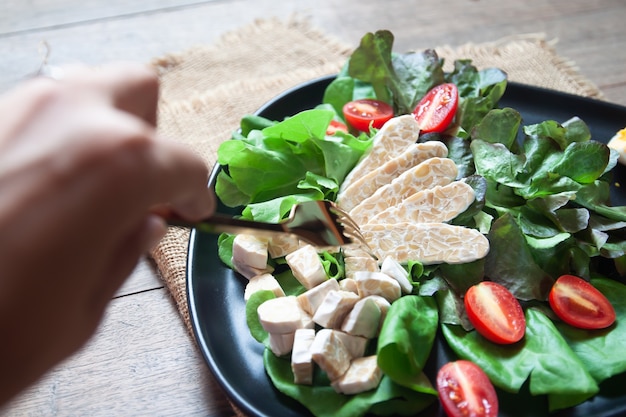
(495, 312)
(336, 126)
(360, 114)
(580, 304)
(437, 108)
(465, 390)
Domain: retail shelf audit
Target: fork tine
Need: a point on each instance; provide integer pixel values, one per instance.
(350, 228)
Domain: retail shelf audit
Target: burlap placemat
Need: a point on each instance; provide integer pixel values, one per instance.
(207, 89)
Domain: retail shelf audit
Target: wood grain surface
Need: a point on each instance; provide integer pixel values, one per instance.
(142, 362)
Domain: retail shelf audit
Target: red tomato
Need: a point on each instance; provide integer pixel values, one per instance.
(580, 304)
(465, 390)
(336, 126)
(437, 108)
(495, 312)
(360, 114)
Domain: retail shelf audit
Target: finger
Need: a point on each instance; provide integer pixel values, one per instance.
(124, 258)
(182, 182)
(130, 87)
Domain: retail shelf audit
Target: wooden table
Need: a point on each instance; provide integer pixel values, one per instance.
(142, 360)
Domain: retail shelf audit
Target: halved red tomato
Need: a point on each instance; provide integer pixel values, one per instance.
(465, 390)
(580, 304)
(335, 126)
(437, 108)
(363, 113)
(495, 312)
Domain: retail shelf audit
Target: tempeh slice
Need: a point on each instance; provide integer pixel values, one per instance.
(429, 243)
(367, 185)
(434, 205)
(393, 138)
(428, 174)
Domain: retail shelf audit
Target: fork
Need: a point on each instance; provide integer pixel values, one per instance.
(320, 223)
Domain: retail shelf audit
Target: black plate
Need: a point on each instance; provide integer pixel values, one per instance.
(215, 293)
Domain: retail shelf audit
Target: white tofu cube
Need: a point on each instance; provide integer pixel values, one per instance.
(281, 344)
(330, 354)
(334, 308)
(311, 299)
(377, 283)
(282, 315)
(362, 375)
(250, 250)
(349, 284)
(363, 320)
(306, 266)
(263, 282)
(301, 356)
(394, 269)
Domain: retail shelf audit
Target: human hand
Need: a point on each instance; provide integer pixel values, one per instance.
(82, 178)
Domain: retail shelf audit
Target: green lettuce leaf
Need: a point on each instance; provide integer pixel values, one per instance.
(543, 358)
(287, 158)
(321, 399)
(406, 339)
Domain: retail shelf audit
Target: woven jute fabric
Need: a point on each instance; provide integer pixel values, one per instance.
(207, 89)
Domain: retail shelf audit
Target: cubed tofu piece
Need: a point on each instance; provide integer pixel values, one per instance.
(306, 266)
(282, 245)
(394, 269)
(383, 305)
(349, 284)
(330, 354)
(283, 315)
(377, 283)
(334, 308)
(363, 320)
(248, 271)
(356, 345)
(301, 357)
(362, 375)
(359, 263)
(281, 344)
(311, 299)
(250, 250)
(262, 282)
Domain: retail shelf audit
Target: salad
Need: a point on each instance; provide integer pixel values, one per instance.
(542, 199)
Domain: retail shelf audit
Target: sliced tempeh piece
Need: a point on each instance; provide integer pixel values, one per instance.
(434, 205)
(428, 174)
(393, 138)
(380, 175)
(429, 243)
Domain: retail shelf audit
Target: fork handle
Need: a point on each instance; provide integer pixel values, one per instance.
(219, 223)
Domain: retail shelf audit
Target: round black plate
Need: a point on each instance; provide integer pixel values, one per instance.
(215, 293)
